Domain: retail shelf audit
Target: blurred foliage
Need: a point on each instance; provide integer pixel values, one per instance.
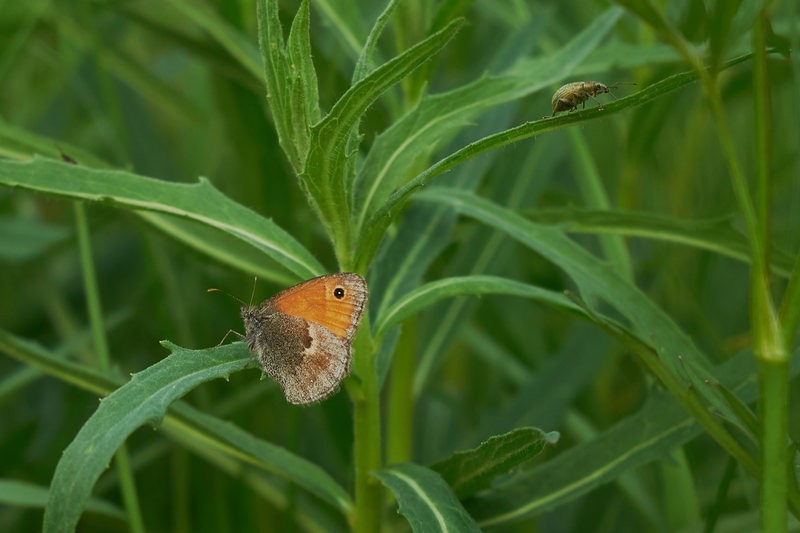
(175, 90)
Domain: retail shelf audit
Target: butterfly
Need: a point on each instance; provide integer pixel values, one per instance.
(302, 335)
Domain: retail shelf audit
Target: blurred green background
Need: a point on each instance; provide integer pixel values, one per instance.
(174, 90)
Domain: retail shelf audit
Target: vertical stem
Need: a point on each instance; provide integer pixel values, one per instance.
(366, 434)
(127, 484)
(771, 352)
(400, 412)
(774, 389)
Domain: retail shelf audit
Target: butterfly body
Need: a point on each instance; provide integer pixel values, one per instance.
(302, 335)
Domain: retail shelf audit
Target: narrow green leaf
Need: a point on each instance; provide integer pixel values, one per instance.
(199, 201)
(378, 222)
(715, 235)
(187, 425)
(303, 95)
(366, 58)
(277, 76)
(473, 470)
(652, 433)
(145, 398)
(595, 279)
(438, 116)
(324, 174)
(432, 292)
(198, 426)
(23, 494)
(425, 499)
(220, 246)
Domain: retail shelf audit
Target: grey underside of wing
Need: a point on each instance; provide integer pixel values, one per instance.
(307, 373)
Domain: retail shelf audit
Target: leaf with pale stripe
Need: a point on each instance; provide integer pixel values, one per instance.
(425, 499)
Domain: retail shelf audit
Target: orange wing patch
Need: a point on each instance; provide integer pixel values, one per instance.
(334, 301)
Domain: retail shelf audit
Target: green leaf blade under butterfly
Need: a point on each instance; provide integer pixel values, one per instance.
(145, 398)
(205, 434)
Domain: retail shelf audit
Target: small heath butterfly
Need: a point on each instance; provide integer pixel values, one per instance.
(302, 335)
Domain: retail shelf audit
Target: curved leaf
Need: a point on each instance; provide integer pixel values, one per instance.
(382, 217)
(199, 201)
(432, 292)
(651, 433)
(187, 425)
(145, 398)
(425, 499)
(473, 470)
(715, 235)
(437, 116)
(325, 174)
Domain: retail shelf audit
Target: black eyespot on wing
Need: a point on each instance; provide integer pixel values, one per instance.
(338, 292)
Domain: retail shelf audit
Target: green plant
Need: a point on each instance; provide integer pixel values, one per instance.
(420, 177)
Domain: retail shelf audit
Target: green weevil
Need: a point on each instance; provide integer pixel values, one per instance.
(568, 96)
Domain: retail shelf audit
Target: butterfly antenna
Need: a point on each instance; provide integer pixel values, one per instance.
(253, 293)
(212, 289)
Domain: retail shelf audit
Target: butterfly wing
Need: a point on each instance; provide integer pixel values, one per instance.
(307, 360)
(335, 302)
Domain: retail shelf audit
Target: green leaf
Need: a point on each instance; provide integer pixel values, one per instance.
(437, 117)
(145, 398)
(652, 433)
(276, 77)
(471, 471)
(367, 56)
(595, 279)
(220, 246)
(324, 174)
(23, 494)
(265, 455)
(195, 430)
(199, 201)
(302, 92)
(715, 235)
(377, 224)
(425, 499)
(432, 292)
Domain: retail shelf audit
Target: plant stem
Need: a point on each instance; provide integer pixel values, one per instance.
(772, 353)
(127, 483)
(773, 393)
(400, 412)
(366, 434)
